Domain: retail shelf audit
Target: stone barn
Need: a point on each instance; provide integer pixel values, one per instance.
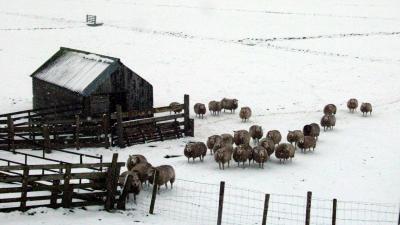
(96, 82)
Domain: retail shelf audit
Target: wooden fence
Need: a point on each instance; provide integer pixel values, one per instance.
(61, 185)
(50, 129)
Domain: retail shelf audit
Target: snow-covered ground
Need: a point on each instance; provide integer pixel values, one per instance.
(285, 59)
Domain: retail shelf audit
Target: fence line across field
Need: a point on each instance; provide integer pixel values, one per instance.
(192, 202)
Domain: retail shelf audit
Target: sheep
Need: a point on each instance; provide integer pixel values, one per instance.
(166, 173)
(307, 142)
(215, 107)
(352, 104)
(211, 141)
(328, 121)
(241, 137)
(260, 155)
(294, 136)
(229, 104)
(284, 151)
(275, 136)
(135, 159)
(194, 150)
(175, 107)
(245, 113)
(200, 109)
(135, 185)
(223, 155)
(256, 132)
(268, 144)
(142, 169)
(366, 108)
(226, 140)
(312, 129)
(330, 109)
(242, 153)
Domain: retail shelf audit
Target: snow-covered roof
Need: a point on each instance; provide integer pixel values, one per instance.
(74, 70)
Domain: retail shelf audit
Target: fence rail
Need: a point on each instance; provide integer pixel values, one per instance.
(193, 202)
(63, 185)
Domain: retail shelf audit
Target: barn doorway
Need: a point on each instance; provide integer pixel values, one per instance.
(118, 98)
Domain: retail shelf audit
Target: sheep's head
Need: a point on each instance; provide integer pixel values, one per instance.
(235, 103)
(151, 172)
(189, 147)
(202, 107)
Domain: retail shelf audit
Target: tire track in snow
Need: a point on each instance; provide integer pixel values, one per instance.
(39, 28)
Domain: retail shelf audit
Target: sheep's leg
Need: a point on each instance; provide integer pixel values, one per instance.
(188, 160)
(166, 185)
(171, 184)
(223, 166)
(134, 198)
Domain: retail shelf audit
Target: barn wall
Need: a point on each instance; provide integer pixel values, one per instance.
(139, 93)
(48, 95)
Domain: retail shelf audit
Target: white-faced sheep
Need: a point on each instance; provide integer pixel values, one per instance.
(223, 155)
(242, 153)
(268, 144)
(366, 108)
(294, 137)
(229, 104)
(352, 104)
(226, 140)
(245, 113)
(307, 142)
(194, 150)
(256, 132)
(312, 129)
(328, 121)
(175, 107)
(142, 169)
(200, 109)
(166, 173)
(211, 141)
(215, 107)
(134, 186)
(260, 155)
(284, 151)
(135, 159)
(241, 137)
(275, 136)
(330, 109)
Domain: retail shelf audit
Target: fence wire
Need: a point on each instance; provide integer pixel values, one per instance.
(191, 202)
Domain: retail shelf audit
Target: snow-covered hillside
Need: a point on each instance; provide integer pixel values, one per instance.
(285, 59)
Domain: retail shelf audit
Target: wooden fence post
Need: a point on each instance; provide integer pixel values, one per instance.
(67, 190)
(105, 131)
(186, 116)
(398, 223)
(54, 194)
(24, 192)
(120, 128)
(308, 209)
(47, 143)
(11, 134)
(221, 202)
(111, 183)
(265, 213)
(125, 192)
(153, 196)
(334, 211)
(77, 131)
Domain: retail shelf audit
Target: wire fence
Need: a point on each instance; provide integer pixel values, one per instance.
(191, 202)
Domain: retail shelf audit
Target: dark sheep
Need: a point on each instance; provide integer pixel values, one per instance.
(241, 137)
(226, 140)
(330, 109)
(245, 113)
(242, 153)
(194, 150)
(135, 185)
(328, 122)
(275, 136)
(215, 107)
(256, 132)
(268, 144)
(294, 137)
(200, 109)
(284, 151)
(175, 107)
(212, 140)
(352, 104)
(260, 155)
(229, 104)
(223, 155)
(135, 159)
(366, 108)
(166, 173)
(312, 129)
(307, 142)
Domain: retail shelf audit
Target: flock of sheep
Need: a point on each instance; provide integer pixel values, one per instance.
(222, 146)
(142, 171)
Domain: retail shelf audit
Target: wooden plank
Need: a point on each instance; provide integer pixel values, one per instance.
(111, 181)
(24, 192)
(308, 208)
(73, 204)
(11, 134)
(154, 193)
(48, 177)
(152, 120)
(186, 116)
(77, 131)
(334, 211)
(59, 166)
(26, 199)
(54, 194)
(120, 127)
(265, 212)
(105, 126)
(50, 188)
(125, 192)
(221, 202)
(47, 143)
(67, 195)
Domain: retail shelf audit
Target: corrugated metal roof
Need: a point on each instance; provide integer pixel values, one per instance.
(74, 70)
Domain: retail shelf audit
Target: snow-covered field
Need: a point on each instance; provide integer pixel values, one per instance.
(285, 59)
